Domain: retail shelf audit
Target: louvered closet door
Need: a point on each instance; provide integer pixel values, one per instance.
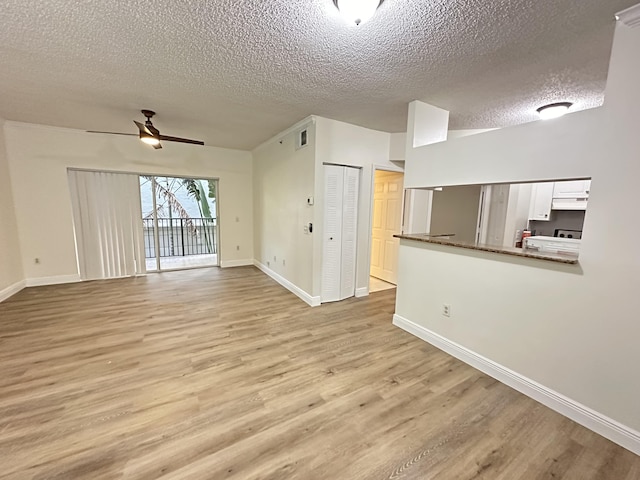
(349, 233)
(340, 232)
(332, 241)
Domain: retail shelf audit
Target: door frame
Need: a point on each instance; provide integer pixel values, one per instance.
(482, 222)
(384, 168)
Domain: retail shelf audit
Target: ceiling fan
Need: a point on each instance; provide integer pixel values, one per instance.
(150, 134)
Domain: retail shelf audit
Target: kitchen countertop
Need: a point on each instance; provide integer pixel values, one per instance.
(442, 239)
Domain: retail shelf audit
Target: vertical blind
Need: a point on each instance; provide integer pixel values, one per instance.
(108, 224)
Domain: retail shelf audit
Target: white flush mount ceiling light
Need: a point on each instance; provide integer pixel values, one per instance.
(554, 110)
(357, 11)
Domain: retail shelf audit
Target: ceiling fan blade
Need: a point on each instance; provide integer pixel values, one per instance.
(180, 140)
(143, 128)
(113, 133)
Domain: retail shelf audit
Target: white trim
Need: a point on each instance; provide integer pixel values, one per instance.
(630, 17)
(39, 281)
(362, 292)
(388, 168)
(12, 290)
(235, 263)
(616, 432)
(312, 301)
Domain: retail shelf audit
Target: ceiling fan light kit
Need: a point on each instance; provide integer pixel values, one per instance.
(357, 11)
(151, 135)
(148, 139)
(554, 110)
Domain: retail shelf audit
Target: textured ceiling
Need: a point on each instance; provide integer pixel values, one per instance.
(235, 72)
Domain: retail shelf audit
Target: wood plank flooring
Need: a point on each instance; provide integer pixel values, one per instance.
(223, 374)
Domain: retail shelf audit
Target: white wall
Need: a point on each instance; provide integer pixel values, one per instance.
(11, 273)
(398, 141)
(397, 146)
(572, 329)
(38, 160)
(346, 144)
(455, 210)
(283, 178)
(426, 124)
(452, 134)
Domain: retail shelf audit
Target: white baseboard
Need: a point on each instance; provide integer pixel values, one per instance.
(312, 301)
(585, 416)
(11, 290)
(362, 292)
(39, 281)
(235, 263)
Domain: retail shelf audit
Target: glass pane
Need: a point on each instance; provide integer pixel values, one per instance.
(186, 222)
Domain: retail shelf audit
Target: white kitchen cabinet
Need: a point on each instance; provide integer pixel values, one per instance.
(572, 189)
(541, 198)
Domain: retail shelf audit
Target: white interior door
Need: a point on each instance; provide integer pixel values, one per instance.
(387, 222)
(341, 187)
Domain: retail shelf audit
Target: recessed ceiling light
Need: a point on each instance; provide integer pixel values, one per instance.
(357, 11)
(554, 110)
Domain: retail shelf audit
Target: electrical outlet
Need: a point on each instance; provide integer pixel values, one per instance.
(274, 258)
(283, 264)
(238, 247)
(268, 263)
(446, 310)
(36, 260)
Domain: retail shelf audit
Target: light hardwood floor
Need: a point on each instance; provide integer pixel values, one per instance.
(223, 374)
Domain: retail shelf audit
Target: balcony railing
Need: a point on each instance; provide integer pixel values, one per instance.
(179, 237)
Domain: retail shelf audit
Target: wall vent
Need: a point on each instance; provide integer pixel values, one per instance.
(302, 139)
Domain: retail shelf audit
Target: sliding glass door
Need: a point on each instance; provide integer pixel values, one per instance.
(179, 217)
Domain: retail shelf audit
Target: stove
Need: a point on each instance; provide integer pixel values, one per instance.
(560, 233)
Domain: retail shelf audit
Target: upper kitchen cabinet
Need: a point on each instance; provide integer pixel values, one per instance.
(572, 189)
(571, 195)
(541, 199)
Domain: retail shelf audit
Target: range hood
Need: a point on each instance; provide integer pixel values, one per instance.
(569, 204)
